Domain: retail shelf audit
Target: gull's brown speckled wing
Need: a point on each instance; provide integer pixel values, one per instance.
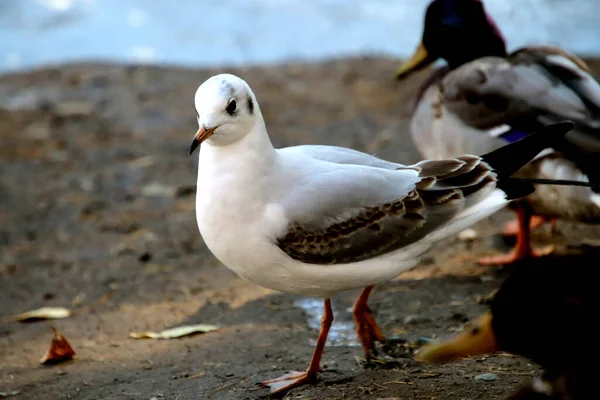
(446, 187)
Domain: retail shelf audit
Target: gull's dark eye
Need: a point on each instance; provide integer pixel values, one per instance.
(231, 107)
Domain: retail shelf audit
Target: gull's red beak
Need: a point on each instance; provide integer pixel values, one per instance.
(201, 136)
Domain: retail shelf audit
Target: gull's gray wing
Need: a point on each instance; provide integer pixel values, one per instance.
(341, 155)
(362, 218)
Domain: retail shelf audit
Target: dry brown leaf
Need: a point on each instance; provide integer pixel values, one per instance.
(60, 350)
(42, 313)
(175, 332)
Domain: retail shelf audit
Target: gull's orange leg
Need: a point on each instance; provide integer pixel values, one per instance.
(366, 328)
(523, 247)
(296, 378)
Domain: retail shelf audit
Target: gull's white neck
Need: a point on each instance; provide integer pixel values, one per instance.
(236, 173)
(254, 149)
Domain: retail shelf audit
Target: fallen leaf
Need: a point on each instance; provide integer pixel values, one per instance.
(175, 332)
(42, 313)
(11, 393)
(60, 350)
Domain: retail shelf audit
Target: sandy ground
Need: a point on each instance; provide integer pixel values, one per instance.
(97, 214)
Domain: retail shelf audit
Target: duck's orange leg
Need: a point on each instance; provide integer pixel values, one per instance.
(523, 247)
(296, 378)
(512, 228)
(366, 328)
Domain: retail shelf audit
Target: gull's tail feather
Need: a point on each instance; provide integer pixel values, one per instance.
(508, 159)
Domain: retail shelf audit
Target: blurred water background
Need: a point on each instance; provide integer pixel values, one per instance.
(231, 32)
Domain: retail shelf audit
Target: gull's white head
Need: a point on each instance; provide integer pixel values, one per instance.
(226, 110)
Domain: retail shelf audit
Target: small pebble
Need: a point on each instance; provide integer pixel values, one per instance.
(467, 235)
(158, 190)
(414, 319)
(145, 257)
(422, 341)
(396, 339)
(184, 191)
(73, 109)
(486, 377)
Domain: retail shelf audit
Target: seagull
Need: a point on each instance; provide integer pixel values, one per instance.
(316, 220)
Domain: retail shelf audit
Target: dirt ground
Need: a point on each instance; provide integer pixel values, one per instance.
(97, 214)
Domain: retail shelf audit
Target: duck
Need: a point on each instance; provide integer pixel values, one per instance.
(545, 311)
(484, 97)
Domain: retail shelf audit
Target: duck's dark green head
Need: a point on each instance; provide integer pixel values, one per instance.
(457, 31)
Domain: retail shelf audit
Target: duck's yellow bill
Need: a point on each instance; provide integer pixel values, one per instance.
(477, 338)
(420, 59)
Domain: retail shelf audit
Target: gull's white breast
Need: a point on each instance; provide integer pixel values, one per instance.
(236, 219)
